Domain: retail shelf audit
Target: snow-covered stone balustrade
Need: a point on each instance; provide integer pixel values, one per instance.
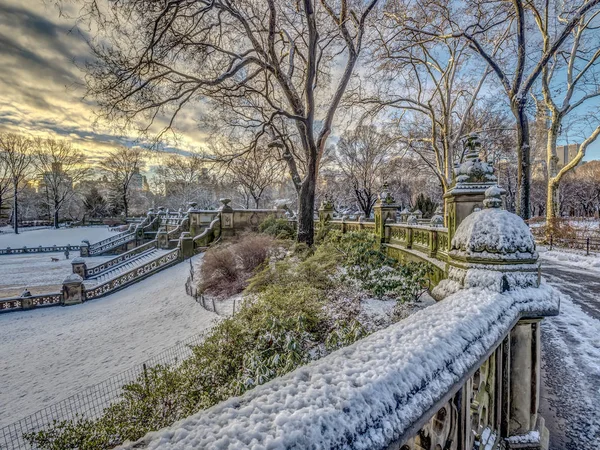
(38, 249)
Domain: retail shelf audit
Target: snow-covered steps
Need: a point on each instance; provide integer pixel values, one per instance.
(128, 265)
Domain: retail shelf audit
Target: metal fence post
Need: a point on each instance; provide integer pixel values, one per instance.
(551, 238)
(587, 246)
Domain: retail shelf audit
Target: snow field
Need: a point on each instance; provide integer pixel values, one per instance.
(49, 354)
(49, 236)
(37, 269)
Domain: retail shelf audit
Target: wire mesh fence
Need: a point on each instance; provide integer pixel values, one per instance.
(91, 402)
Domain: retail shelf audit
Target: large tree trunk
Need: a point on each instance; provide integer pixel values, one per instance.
(306, 205)
(523, 161)
(56, 210)
(552, 205)
(125, 205)
(16, 210)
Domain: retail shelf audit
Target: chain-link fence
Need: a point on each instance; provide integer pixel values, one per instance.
(91, 402)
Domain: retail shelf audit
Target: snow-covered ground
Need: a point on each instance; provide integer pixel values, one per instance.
(37, 272)
(571, 352)
(49, 354)
(570, 258)
(49, 236)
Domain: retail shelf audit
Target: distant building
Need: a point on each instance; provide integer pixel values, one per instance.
(566, 154)
(138, 181)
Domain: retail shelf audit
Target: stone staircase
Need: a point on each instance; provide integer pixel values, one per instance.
(132, 263)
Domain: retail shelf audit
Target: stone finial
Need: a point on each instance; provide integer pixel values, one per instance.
(473, 169)
(385, 198)
(437, 221)
(493, 197)
(439, 211)
(412, 220)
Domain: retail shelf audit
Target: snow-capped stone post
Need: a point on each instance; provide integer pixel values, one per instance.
(493, 250)
(471, 179)
(84, 249)
(385, 210)
(186, 244)
(326, 211)
(72, 290)
(404, 215)
(162, 238)
(79, 267)
(226, 212)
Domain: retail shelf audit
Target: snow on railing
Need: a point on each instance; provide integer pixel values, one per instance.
(209, 234)
(113, 242)
(134, 275)
(33, 301)
(372, 393)
(108, 265)
(39, 249)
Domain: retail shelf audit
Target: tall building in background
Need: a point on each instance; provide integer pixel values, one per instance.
(566, 154)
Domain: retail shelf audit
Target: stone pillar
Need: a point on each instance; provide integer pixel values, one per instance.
(525, 378)
(226, 212)
(84, 249)
(186, 244)
(471, 179)
(326, 211)
(385, 209)
(79, 267)
(162, 238)
(72, 290)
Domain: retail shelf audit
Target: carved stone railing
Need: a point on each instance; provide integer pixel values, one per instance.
(34, 301)
(113, 242)
(39, 249)
(120, 259)
(209, 235)
(134, 275)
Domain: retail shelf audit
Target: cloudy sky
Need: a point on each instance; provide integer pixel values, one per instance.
(41, 87)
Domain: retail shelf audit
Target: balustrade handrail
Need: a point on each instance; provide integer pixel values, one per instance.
(122, 239)
(106, 266)
(38, 249)
(37, 300)
(111, 239)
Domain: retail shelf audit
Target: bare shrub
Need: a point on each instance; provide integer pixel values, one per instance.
(218, 272)
(226, 269)
(252, 250)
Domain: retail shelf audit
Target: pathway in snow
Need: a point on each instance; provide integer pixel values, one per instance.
(49, 354)
(571, 359)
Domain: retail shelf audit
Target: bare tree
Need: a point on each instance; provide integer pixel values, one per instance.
(61, 166)
(364, 158)
(578, 68)
(121, 166)
(184, 178)
(267, 62)
(490, 20)
(16, 152)
(5, 184)
(432, 82)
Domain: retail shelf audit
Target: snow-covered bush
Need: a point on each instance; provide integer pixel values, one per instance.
(278, 228)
